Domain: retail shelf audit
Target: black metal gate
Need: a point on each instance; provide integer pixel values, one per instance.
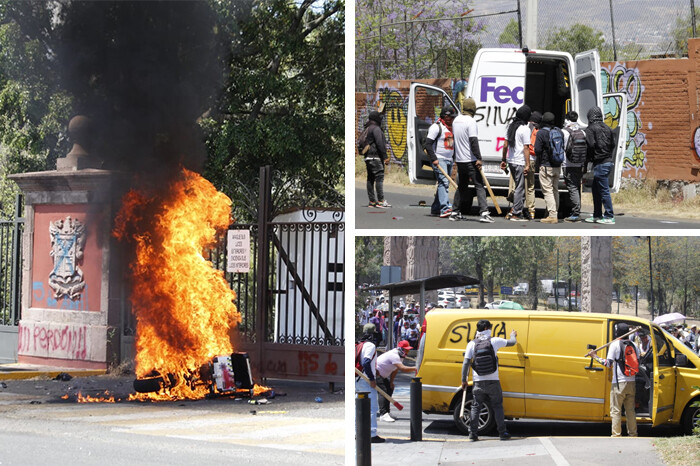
(10, 282)
(292, 300)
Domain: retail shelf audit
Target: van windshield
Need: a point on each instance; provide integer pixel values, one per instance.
(548, 86)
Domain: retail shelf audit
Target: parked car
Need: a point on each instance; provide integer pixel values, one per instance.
(449, 302)
(495, 304)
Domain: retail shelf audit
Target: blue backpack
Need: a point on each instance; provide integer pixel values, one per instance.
(556, 147)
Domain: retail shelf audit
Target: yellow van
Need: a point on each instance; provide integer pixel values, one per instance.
(547, 375)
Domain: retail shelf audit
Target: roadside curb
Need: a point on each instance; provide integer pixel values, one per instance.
(19, 372)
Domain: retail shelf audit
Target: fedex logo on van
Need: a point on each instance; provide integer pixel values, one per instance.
(501, 94)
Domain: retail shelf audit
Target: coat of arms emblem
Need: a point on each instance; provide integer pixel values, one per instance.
(67, 244)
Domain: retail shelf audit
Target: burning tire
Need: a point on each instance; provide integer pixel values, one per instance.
(149, 385)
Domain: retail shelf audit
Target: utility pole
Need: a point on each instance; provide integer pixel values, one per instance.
(612, 22)
(651, 280)
(531, 24)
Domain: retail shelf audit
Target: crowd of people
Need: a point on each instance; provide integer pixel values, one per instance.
(688, 335)
(407, 323)
(533, 144)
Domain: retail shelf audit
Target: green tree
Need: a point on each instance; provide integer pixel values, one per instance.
(576, 39)
(283, 102)
(510, 34)
(682, 32)
(369, 256)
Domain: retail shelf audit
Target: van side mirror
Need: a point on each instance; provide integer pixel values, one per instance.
(681, 359)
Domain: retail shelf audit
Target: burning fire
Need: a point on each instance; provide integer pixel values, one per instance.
(184, 308)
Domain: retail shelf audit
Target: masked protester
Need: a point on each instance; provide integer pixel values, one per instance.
(439, 146)
(601, 146)
(516, 153)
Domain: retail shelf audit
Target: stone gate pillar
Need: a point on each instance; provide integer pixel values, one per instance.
(73, 302)
(596, 273)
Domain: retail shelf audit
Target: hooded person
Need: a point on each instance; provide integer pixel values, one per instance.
(366, 354)
(468, 159)
(622, 388)
(549, 173)
(487, 386)
(516, 154)
(572, 168)
(375, 156)
(439, 145)
(601, 145)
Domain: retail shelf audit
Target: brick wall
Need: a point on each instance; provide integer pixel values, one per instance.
(663, 113)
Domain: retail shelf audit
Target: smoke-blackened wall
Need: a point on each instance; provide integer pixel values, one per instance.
(144, 72)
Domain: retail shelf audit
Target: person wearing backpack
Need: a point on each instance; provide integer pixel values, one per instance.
(549, 150)
(576, 149)
(622, 354)
(366, 362)
(439, 145)
(601, 145)
(481, 356)
(372, 146)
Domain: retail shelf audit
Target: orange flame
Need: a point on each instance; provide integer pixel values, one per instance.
(105, 398)
(184, 308)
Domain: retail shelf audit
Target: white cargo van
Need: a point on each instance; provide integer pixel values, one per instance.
(501, 80)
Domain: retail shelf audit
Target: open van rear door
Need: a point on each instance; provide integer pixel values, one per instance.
(424, 105)
(615, 116)
(587, 87)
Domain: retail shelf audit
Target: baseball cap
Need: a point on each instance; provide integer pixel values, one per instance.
(404, 344)
(369, 328)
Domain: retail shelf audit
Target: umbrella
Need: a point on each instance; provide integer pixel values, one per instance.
(511, 305)
(669, 318)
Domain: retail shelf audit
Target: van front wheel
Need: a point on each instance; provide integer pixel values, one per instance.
(486, 419)
(691, 419)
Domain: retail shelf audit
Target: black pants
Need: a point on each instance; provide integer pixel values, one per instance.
(468, 172)
(572, 179)
(384, 384)
(375, 176)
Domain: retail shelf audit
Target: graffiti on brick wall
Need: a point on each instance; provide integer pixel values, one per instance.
(395, 111)
(619, 78)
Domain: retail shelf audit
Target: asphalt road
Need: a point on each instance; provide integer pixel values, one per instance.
(534, 442)
(37, 426)
(407, 213)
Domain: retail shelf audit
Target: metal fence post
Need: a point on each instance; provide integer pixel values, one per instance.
(416, 409)
(15, 293)
(363, 426)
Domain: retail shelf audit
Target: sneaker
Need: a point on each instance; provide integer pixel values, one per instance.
(505, 436)
(572, 219)
(383, 204)
(549, 220)
(509, 215)
(606, 221)
(456, 215)
(486, 218)
(518, 218)
(591, 220)
(532, 214)
(446, 213)
(473, 438)
(386, 417)
(377, 439)
(372, 204)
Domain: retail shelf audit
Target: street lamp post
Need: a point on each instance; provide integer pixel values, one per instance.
(651, 280)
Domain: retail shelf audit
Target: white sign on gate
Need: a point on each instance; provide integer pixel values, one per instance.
(238, 251)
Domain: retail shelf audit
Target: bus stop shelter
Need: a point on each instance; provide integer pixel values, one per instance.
(419, 287)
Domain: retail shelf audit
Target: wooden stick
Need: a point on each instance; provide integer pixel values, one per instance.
(398, 405)
(452, 182)
(488, 186)
(464, 400)
(618, 338)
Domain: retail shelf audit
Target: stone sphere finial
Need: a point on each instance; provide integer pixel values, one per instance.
(80, 132)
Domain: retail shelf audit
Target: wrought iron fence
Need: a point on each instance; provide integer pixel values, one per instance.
(11, 266)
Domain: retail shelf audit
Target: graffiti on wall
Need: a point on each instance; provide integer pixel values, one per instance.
(43, 297)
(619, 78)
(395, 111)
(58, 341)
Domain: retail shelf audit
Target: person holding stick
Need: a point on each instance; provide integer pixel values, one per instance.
(368, 383)
(481, 355)
(439, 145)
(516, 156)
(388, 365)
(622, 389)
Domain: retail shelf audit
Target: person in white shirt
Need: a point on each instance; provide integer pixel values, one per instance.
(368, 361)
(388, 365)
(516, 152)
(468, 158)
(439, 145)
(622, 389)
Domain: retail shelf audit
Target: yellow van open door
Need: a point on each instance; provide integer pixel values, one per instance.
(664, 379)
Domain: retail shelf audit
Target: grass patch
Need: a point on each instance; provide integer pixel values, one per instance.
(393, 174)
(679, 450)
(649, 197)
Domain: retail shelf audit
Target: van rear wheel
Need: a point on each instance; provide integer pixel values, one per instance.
(691, 419)
(486, 419)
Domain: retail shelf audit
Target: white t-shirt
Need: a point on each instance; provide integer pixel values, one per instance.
(386, 362)
(444, 145)
(463, 128)
(522, 139)
(497, 343)
(613, 354)
(369, 351)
